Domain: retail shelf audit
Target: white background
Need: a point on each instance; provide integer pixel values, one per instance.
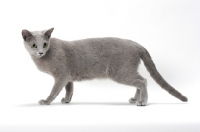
(168, 29)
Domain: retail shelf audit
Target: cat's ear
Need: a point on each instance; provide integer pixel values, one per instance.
(26, 34)
(48, 33)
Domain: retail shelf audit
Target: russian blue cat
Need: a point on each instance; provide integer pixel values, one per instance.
(114, 58)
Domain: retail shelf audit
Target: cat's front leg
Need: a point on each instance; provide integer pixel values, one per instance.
(69, 92)
(58, 86)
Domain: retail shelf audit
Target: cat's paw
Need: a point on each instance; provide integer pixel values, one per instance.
(140, 103)
(64, 100)
(132, 100)
(43, 102)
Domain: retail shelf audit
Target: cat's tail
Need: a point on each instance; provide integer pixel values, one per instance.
(149, 64)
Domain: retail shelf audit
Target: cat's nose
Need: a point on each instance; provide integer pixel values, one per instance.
(40, 53)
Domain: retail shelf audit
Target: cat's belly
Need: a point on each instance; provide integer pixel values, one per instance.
(91, 74)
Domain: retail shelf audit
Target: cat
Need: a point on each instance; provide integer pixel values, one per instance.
(114, 58)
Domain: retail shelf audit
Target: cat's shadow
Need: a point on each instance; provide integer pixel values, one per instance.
(96, 103)
(77, 103)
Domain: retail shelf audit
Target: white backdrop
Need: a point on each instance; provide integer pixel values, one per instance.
(168, 29)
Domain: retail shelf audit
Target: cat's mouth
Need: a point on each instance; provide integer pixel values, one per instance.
(40, 55)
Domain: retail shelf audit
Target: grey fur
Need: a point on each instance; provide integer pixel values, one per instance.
(114, 58)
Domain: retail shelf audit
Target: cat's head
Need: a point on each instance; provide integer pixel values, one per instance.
(37, 43)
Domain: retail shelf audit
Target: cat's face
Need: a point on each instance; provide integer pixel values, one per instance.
(37, 43)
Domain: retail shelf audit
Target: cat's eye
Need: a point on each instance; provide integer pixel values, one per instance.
(34, 46)
(45, 45)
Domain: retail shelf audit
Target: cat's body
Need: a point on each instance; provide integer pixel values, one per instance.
(90, 58)
(114, 58)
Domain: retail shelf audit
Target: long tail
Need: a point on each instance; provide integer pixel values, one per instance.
(149, 64)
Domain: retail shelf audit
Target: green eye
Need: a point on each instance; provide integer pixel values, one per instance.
(45, 45)
(34, 46)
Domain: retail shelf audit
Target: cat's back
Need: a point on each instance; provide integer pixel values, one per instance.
(105, 41)
(109, 44)
(97, 47)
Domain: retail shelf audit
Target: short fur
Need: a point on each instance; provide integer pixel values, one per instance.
(114, 58)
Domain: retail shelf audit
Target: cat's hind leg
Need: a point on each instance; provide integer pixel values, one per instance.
(136, 97)
(134, 79)
(141, 96)
(69, 93)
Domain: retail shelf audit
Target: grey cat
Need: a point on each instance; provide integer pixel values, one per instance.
(114, 58)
